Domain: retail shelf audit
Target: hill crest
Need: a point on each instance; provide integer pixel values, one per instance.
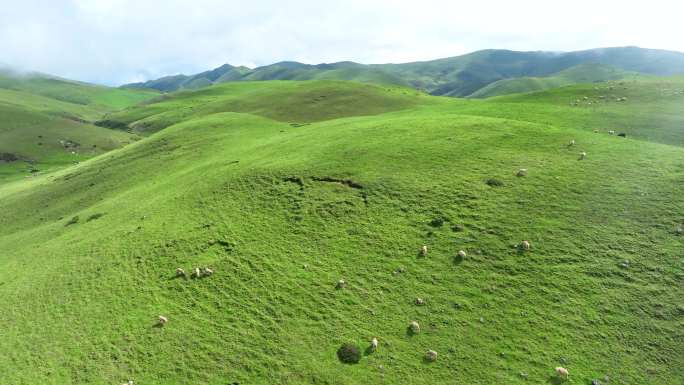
(458, 76)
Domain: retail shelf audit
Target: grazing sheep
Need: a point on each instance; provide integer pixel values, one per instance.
(462, 254)
(572, 143)
(180, 272)
(522, 172)
(611, 132)
(129, 382)
(207, 271)
(423, 251)
(197, 273)
(420, 301)
(162, 320)
(414, 327)
(562, 372)
(431, 355)
(525, 245)
(374, 344)
(583, 155)
(341, 284)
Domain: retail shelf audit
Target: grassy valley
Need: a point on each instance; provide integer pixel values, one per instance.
(285, 188)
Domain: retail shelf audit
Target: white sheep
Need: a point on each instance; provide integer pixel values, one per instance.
(462, 254)
(431, 355)
(423, 251)
(374, 344)
(420, 301)
(583, 155)
(341, 284)
(414, 326)
(562, 372)
(197, 272)
(162, 320)
(572, 143)
(611, 132)
(522, 172)
(525, 245)
(207, 271)
(180, 272)
(129, 382)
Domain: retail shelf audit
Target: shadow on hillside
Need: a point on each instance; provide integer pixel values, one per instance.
(555, 380)
(458, 260)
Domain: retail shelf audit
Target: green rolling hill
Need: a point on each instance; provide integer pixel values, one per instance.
(47, 122)
(474, 74)
(295, 102)
(284, 188)
(583, 73)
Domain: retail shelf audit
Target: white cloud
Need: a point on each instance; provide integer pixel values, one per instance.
(116, 41)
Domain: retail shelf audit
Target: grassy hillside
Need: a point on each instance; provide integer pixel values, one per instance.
(294, 102)
(583, 73)
(464, 75)
(47, 122)
(97, 99)
(281, 212)
(649, 109)
(278, 71)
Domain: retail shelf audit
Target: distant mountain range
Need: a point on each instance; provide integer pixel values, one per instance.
(478, 74)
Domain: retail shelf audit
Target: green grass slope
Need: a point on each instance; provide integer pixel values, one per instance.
(650, 109)
(47, 122)
(282, 212)
(583, 73)
(294, 102)
(98, 99)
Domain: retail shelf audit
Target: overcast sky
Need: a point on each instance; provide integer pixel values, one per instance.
(119, 41)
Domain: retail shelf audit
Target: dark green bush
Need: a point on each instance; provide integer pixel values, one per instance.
(349, 354)
(494, 182)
